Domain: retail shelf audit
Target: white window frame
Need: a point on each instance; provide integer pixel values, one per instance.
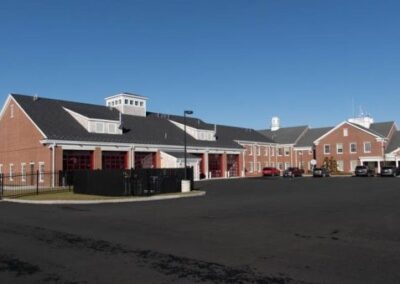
(11, 172)
(287, 165)
(345, 132)
(370, 147)
(251, 150)
(251, 167)
(279, 154)
(286, 151)
(273, 152)
(351, 166)
(352, 152)
(325, 152)
(258, 149)
(337, 148)
(266, 151)
(41, 173)
(112, 128)
(259, 167)
(340, 162)
(23, 172)
(96, 127)
(1, 168)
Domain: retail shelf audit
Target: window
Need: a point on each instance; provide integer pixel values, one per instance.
(272, 152)
(41, 172)
(136, 103)
(327, 149)
(99, 127)
(126, 101)
(287, 165)
(141, 104)
(251, 167)
(280, 166)
(131, 102)
(353, 165)
(353, 148)
(11, 172)
(23, 172)
(1, 169)
(339, 148)
(259, 166)
(300, 153)
(111, 128)
(120, 102)
(280, 151)
(367, 147)
(345, 132)
(11, 111)
(340, 165)
(266, 151)
(250, 150)
(258, 150)
(310, 152)
(287, 151)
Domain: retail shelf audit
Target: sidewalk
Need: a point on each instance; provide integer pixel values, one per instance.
(114, 200)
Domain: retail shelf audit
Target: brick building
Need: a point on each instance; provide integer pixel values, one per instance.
(51, 135)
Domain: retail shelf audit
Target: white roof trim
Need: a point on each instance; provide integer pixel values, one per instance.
(23, 111)
(147, 146)
(339, 125)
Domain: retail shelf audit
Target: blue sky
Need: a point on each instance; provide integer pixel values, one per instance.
(232, 62)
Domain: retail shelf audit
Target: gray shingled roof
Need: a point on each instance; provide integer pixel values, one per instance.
(241, 134)
(382, 128)
(312, 134)
(58, 124)
(190, 121)
(394, 142)
(285, 135)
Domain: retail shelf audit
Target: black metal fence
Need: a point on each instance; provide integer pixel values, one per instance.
(136, 182)
(20, 184)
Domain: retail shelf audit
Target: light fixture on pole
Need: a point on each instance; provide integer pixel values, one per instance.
(186, 112)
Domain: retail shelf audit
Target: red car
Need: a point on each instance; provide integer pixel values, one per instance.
(268, 171)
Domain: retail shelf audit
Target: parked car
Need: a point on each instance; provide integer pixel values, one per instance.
(293, 172)
(268, 171)
(364, 171)
(321, 172)
(390, 171)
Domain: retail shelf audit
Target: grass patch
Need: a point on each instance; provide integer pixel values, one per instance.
(67, 195)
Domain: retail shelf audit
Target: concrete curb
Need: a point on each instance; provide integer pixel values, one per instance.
(108, 201)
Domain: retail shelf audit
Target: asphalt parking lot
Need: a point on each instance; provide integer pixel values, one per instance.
(272, 230)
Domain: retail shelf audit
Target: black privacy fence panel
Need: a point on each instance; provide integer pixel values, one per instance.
(21, 184)
(136, 182)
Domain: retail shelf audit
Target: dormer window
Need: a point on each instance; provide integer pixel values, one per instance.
(99, 127)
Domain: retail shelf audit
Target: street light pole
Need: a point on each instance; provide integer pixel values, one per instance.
(186, 112)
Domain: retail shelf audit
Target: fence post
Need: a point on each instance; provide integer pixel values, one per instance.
(37, 182)
(1, 186)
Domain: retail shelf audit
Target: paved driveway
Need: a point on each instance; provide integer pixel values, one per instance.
(333, 230)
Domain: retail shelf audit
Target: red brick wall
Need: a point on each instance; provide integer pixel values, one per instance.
(19, 141)
(265, 157)
(355, 135)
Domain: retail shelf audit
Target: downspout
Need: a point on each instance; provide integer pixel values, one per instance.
(53, 167)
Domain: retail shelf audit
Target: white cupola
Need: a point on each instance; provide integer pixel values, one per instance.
(275, 123)
(128, 103)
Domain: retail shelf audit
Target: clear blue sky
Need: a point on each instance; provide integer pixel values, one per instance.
(232, 62)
